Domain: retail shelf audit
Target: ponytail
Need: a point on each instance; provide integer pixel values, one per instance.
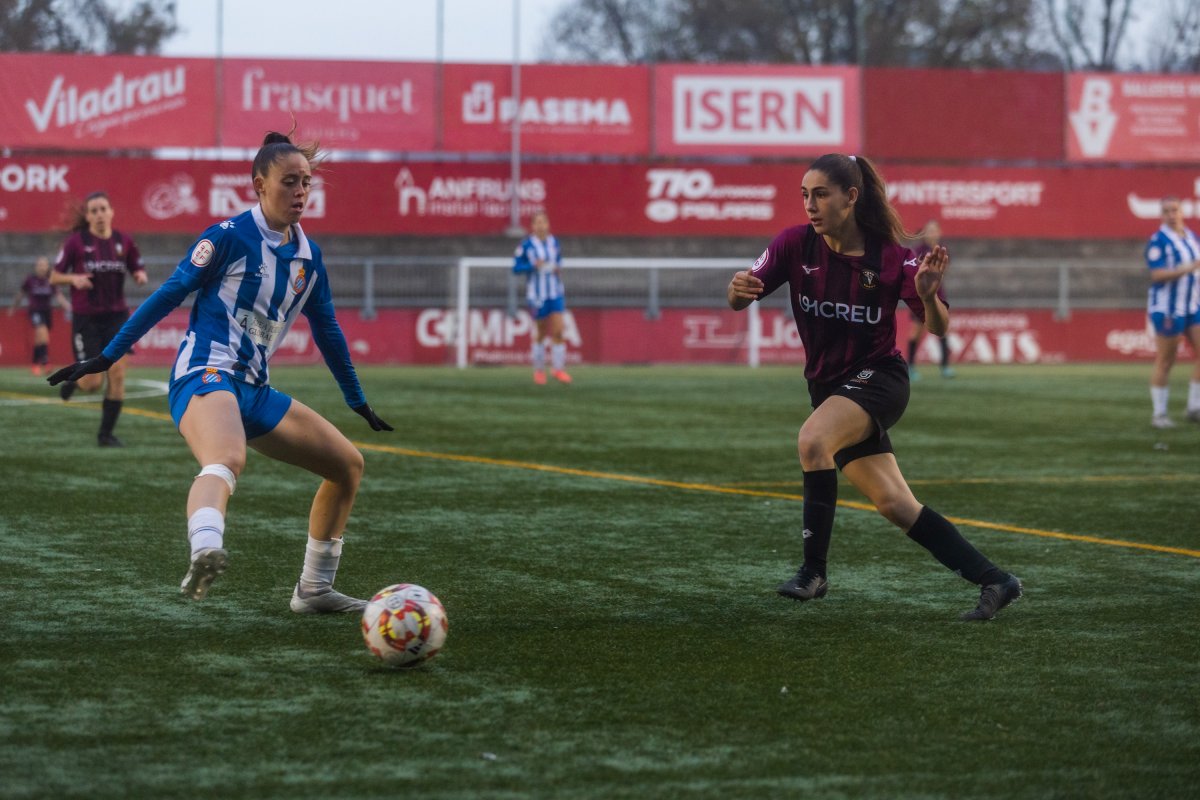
(873, 212)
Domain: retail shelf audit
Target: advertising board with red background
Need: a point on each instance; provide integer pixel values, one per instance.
(662, 199)
(425, 336)
(1133, 117)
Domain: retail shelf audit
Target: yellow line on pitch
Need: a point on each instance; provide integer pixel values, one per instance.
(708, 487)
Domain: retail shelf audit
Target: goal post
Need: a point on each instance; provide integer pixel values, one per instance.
(648, 268)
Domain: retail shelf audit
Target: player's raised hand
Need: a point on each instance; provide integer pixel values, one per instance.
(743, 289)
(931, 271)
(73, 372)
(368, 413)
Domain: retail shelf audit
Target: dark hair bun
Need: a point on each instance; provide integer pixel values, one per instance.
(275, 137)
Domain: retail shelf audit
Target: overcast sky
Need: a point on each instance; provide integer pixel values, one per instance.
(394, 30)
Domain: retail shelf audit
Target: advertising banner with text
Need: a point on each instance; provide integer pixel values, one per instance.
(346, 105)
(1133, 117)
(461, 198)
(103, 103)
(585, 110)
(625, 336)
(756, 110)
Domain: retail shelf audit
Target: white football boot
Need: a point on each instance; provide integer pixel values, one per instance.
(206, 565)
(327, 602)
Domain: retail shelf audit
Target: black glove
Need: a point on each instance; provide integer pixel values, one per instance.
(368, 413)
(73, 372)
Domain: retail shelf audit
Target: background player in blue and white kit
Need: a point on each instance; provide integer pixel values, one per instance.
(1173, 305)
(253, 275)
(41, 297)
(539, 258)
(846, 273)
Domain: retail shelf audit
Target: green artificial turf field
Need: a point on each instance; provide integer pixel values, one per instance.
(607, 554)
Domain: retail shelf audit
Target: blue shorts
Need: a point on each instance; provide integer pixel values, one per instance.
(1172, 324)
(555, 305)
(262, 407)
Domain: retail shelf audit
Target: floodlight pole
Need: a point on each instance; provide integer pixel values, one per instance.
(514, 221)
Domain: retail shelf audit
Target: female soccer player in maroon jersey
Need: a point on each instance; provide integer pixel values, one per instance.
(847, 272)
(42, 297)
(93, 262)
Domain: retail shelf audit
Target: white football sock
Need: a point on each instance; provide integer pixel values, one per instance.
(206, 529)
(558, 355)
(1193, 396)
(320, 565)
(537, 354)
(1158, 398)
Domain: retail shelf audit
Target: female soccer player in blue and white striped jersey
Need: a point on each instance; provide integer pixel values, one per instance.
(539, 258)
(1173, 305)
(253, 275)
(847, 272)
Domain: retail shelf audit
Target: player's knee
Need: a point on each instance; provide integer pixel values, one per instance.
(223, 472)
(814, 450)
(902, 511)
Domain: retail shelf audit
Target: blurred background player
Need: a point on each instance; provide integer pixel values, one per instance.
(41, 297)
(931, 237)
(253, 276)
(539, 258)
(93, 262)
(849, 257)
(1173, 305)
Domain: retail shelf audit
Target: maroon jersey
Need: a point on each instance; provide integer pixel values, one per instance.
(845, 306)
(106, 261)
(40, 293)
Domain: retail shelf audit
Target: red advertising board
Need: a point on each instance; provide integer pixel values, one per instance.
(1133, 117)
(347, 105)
(942, 115)
(592, 110)
(625, 336)
(756, 110)
(662, 199)
(102, 103)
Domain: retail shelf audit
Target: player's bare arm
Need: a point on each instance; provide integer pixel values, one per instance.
(929, 280)
(743, 290)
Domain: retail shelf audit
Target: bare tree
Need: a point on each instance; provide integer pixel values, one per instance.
(1088, 34)
(937, 33)
(86, 26)
(1174, 46)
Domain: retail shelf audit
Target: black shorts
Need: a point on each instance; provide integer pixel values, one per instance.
(40, 318)
(882, 391)
(91, 332)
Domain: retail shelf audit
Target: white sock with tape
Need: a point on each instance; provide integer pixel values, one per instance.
(206, 529)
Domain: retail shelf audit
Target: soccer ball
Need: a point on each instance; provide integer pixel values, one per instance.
(404, 625)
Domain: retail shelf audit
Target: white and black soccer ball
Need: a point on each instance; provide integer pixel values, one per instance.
(404, 625)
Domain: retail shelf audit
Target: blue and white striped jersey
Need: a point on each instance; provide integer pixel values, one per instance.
(542, 282)
(250, 290)
(1167, 250)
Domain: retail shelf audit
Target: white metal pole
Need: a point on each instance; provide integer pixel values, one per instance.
(514, 222)
(462, 315)
(752, 335)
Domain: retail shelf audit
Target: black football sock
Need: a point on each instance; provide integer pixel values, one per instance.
(109, 411)
(912, 351)
(820, 504)
(939, 536)
(945, 353)
(40, 353)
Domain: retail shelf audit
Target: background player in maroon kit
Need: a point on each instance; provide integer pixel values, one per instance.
(93, 262)
(42, 297)
(847, 272)
(931, 237)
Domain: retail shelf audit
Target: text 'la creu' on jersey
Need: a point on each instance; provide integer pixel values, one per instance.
(844, 306)
(250, 289)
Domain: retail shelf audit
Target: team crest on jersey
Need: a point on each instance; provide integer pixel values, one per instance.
(868, 279)
(863, 376)
(119, 249)
(202, 253)
(761, 260)
(210, 376)
(300, 282)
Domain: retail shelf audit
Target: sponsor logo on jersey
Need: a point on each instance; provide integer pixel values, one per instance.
(202, 253)
(868, 279)
(808, 270)
(827, 309)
